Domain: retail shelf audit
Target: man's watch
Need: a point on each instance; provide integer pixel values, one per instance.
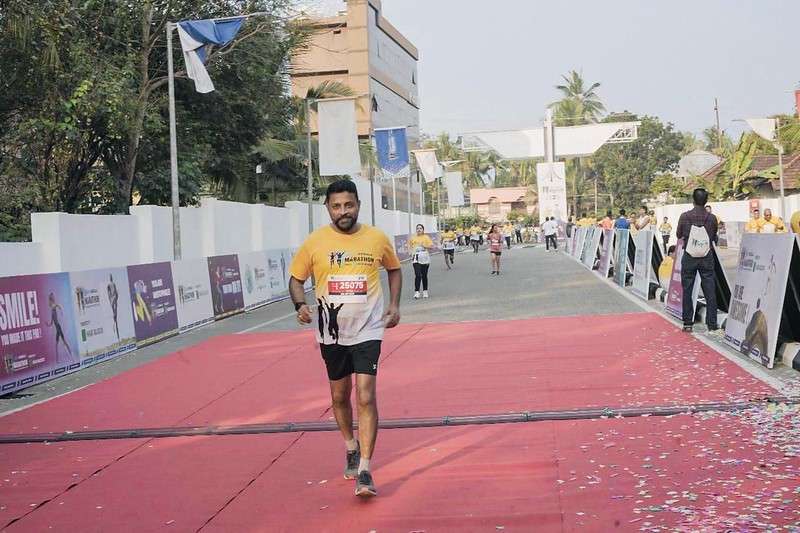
(298, 305)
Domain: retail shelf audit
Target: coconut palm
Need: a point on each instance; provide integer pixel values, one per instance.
(579, 104)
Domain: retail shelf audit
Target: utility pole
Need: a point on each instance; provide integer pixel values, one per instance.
(779, 145)
(310, 179)
(719, 131)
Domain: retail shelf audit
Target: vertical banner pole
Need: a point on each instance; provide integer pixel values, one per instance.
(173, 151)
(780, 166)
(310, 179)
(371, 173)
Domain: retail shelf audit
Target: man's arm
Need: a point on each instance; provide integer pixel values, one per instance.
(392, 316)
(298, 295)
(681, 227)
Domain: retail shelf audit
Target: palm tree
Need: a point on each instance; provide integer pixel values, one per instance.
(578, 104)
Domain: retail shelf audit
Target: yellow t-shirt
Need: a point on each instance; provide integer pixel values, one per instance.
(348, 286)
(753, 225)
(419, 247)
(448, 240)
(795, 222)
(665, 271)
(774, 225)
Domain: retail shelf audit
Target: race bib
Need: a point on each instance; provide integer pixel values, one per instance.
(449, 245)
(347, 289)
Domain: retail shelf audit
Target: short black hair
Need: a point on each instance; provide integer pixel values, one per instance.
(341, 186)
(621, 212)
(671, 250)
(700, 196)
(423, 227)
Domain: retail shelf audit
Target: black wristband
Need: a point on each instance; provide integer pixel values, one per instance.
(298, 305)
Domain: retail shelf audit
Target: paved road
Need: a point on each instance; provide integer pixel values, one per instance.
(534, 283)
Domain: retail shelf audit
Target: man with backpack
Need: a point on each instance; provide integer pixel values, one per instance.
(698, 229)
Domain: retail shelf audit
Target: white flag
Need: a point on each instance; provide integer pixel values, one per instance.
(764, 127)
(455, 189)
(428, 164)
(338, 138)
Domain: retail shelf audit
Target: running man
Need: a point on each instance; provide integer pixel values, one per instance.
(495, 239)
(420, 246)
(475, 238)
(449, 247)
(113, 299)
(54, 322)
(354, 289)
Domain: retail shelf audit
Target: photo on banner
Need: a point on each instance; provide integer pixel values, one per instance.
(621, 242)
(757, 301)
(606, 253)
(587, 243)
(401, 247)
(673, 303)
(580, 242)
(192, 293)
(226, 285)
(37, 330)
(101, 302)
(391, 146)
(152, 292)
(278, 262)
(594, 244)
(643, 264)
(255, 275)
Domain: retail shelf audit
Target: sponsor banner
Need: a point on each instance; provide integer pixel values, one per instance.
(673, 303)
(621, 256)
(255, 277)
(757, 301)
(730, 234)
(552, 185)
(152, 293)
(37, 330)
(392, 148)
(454, 182)
(338, 137)
(278, 262)
(580, 241)
(606, 253)
(642, 264)
(192, 293)
(226, 285)
(593, 244)
(101, 302)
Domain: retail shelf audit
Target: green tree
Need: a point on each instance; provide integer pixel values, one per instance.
(627, 170)
(579, 104)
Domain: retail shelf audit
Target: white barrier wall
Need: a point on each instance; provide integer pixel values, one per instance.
(64, 243)
(734, 211)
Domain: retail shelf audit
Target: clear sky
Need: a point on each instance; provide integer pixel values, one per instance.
(493, 64)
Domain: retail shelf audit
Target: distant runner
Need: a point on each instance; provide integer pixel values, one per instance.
(449, 238)
(495, 239)
(420, 246)
(351, 301)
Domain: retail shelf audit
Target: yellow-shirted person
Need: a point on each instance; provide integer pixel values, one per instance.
(771, 224)
(420, 246)
(754, 224)
(794, 222)
(345, 258)
(449, 239)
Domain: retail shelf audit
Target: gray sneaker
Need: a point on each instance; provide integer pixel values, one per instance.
(351, 468)
(365, 487)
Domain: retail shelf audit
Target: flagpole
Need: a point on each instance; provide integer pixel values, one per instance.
(173, 151)
(780, 165)
(310, 180)
(371, 173)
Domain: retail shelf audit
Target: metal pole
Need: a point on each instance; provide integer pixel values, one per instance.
(408, 205)
(371, 173)
(310, 183)
(780, 166)
(719, 131)
(595, 197)
(173, 152)
(394, 194)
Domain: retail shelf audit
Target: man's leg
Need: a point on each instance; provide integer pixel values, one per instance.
(709, 284)
(342, 408)
(688, 272)
(367, 414)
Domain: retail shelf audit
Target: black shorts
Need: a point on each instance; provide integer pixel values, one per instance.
(343, 361)
(497, 253)
(450, 252)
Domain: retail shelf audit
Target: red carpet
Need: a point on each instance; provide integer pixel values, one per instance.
(471, 478)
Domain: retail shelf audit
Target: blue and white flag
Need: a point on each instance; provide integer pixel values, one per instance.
(197, 36)
(392, 148)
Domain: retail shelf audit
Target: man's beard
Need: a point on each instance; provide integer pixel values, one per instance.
(346, 222)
